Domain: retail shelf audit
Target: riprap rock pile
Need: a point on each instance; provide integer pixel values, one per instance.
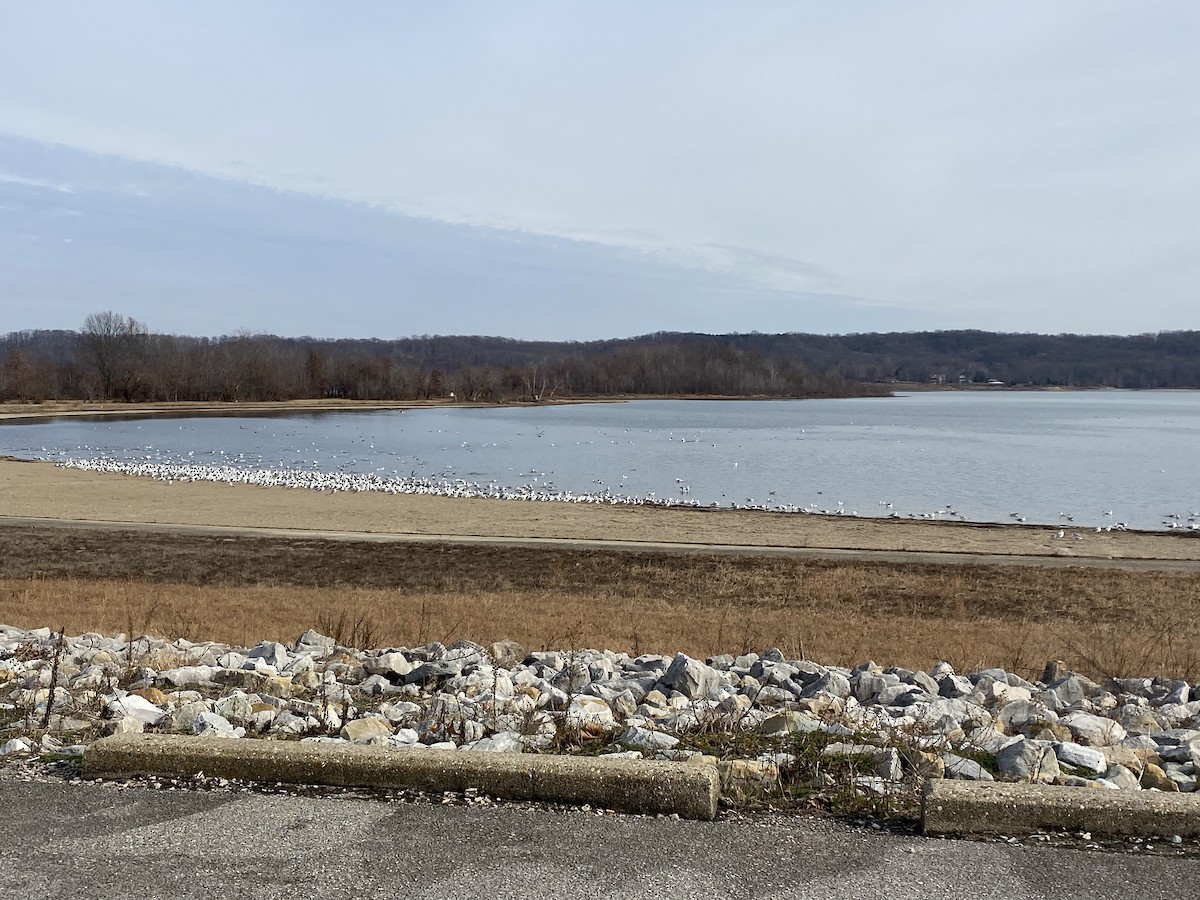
(898, 725)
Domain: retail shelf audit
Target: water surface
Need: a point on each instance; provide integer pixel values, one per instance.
(1097, 457)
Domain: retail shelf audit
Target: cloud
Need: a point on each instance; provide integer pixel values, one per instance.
(34, 183)
(193, 254)
(1020, 165)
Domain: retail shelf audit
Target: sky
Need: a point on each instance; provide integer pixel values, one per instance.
(584, 170)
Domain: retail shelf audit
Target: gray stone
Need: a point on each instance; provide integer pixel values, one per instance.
(182, 716)
(1180, 692)
(833, 683)
(867, 685)
(1176, 714)
(235, 707)
(1122, 778)
(1177, 753)
(501, 742)
(1000, 692)
(1135, 687)
(124, 725)
(1027, 760)
(1178, 736)
(434, 670)
(1092, 730)
(1081, 757)
(16, 745)
(1184, 776)
(430, 652)
(1067, 690)
(405, 737)
(184, 677)
(990, 740)
(272, 653)
(901, 695)
(623, 705)
(288, 723)
(210, 723)
(645, 739)
(954, 686)
(924, 682)
(1137, 719)
(401, 711)
(393, 665)
(722, 662)
(590, 713)
(231, 660)
(942, 668)
(690, 677)
(313, 641)
(372, 686)
(1018, 715)
(964, 769)
(507, 654)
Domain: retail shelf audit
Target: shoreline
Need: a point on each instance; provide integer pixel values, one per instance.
(45, 490)
(16, 412)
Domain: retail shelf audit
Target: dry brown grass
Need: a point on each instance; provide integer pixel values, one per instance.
(244, 590)
(1102, 622)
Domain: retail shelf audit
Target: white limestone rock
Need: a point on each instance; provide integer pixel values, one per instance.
(1076, 755)
(16, 745)
(501, 742)
(392, 665)
(1092, 730)
(210, 724)
(645, 739)
(137, 707)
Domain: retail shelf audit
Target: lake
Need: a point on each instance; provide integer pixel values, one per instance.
(1099, 457)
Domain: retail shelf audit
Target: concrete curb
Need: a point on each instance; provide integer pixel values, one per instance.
(636, 786)
(966, 807)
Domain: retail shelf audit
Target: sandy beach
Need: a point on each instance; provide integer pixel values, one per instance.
(1107, 614)
(43, 490)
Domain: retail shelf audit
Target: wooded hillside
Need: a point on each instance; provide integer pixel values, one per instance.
(116, 357)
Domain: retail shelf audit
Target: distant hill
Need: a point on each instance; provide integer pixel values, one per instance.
(116, 357)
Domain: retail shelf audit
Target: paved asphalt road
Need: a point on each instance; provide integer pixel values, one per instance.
(101, 840)
(854, 555)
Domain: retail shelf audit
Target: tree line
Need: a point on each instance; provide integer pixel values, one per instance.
(116, 357)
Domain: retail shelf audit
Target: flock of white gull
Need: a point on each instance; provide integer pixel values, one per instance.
(444, 486)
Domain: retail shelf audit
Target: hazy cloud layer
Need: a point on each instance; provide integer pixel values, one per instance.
(589, 170)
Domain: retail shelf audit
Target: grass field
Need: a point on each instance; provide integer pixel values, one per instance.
(1101, 621)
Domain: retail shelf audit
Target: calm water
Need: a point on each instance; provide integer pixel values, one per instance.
(985, 456)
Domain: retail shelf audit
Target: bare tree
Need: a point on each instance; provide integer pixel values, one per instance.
(114, 346)
(18, 378)
(540, 383)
